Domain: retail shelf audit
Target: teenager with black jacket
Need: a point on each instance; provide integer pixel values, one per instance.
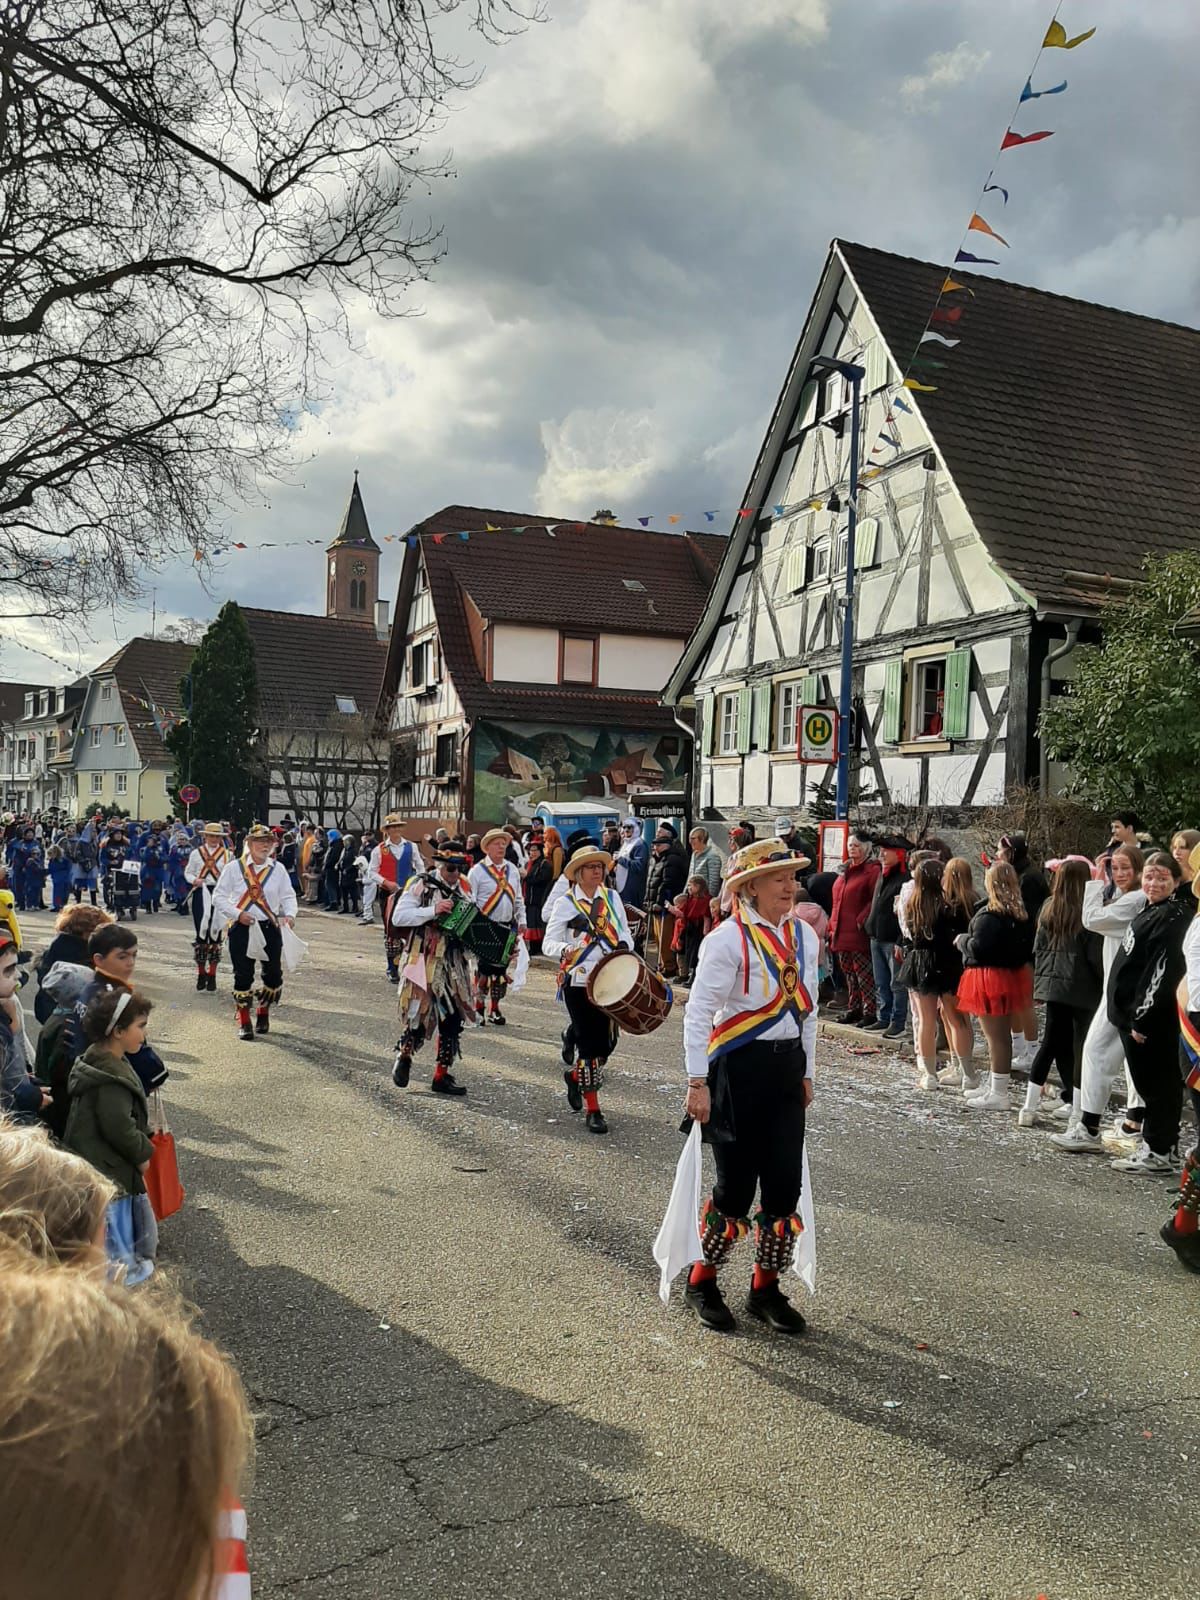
(997, 981)
(1068, 978)
(1141, 1005)
(883, 930)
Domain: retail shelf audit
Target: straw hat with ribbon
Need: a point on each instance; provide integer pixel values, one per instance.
(584, 857)
(494, 834)
(756, 860)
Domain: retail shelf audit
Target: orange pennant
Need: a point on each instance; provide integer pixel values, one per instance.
(978, 225)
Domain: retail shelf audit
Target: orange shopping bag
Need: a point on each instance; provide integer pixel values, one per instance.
(161, 1177)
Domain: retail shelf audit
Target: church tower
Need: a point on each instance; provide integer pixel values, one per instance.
(353, 582)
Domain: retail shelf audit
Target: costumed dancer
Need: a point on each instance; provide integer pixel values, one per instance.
(202, 872)
(252, 890)
(495, 886)
(177, 860)
(1182, 1230)
(435, 985)
(120, 887)
(393, 861)
(586, 923)
(749, 1031)
(154, 865)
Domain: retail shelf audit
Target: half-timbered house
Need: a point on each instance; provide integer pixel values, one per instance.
(527, 663)
(996, 514)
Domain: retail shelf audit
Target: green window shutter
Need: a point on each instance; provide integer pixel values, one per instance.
(810, 690)
(893, 685)
(866, 543)
(956, 702)
(707, 707)
(762, 716)
(743, 723)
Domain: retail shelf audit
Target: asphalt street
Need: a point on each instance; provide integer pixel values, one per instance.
(465, 1384)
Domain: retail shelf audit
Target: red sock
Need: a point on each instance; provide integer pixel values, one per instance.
(702, 1273)
(763, 1279)
(439, 1072)
(591, 1100)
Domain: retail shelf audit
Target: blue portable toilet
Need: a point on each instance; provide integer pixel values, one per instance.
(573, 815)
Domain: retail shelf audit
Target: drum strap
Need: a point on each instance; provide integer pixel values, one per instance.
(601, 930)
(782, 966)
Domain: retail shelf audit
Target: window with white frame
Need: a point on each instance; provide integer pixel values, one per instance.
(927, 703)
(840, 548)
(727, 723)
(106, 691)
(28, 705)
(97, 735)
(122, 783)
(44, 703)
(821, 554)
(97, 782)
(787, 710)
(119, 735)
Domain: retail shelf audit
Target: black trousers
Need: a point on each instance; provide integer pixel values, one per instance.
(243, 965)
(595, 1031)
(761, 1101)
(1154, 1068)
(1062, 1045)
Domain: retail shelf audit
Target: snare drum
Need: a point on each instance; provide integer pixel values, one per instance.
(624, 988)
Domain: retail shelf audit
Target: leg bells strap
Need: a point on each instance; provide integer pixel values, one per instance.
(242, 997)
(269, 997)
(447, 1050)
(775, 1240)
(590, 1074)
(719, 1234)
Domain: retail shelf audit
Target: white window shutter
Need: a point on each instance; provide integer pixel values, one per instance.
(866, 543)
(877, 365)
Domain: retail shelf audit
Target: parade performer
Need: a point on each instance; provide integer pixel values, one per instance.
(585, 924)
(252, 890)
(24, 853)
(154, 865)
(1182, 1230)
(495, 886)
(120, 887)
(393, 861)
(81, 849)
(202, 872)
(435, 985)
(177, 859)
(749, 1032)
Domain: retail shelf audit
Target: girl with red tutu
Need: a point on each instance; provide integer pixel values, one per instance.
(997, 980)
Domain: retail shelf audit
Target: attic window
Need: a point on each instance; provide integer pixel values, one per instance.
(634, 586)
(347, 704)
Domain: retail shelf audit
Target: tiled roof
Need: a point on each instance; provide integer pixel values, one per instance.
(1069, 428)
(355, 528)
(12, 700)
(304, 661)
(571, 578)
(148, 670)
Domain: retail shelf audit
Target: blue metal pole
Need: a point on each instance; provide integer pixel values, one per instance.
(855, 375)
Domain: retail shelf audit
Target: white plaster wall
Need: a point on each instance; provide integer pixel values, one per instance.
(524, 655)
(630, 661)
(785, 783)
(725, 785)
(756, 785)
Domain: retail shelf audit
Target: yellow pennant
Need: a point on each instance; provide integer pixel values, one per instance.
(920, 388)
(1056, 38)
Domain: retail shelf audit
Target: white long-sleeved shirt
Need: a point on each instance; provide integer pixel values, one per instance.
(482, 885)
(1110, 920)
(414, 906)
(231, 888)
(718, 990)
(559, 938)
(375, 864)
(1191, 954)
(194, 868)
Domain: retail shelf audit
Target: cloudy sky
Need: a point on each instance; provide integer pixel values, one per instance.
(644, 194)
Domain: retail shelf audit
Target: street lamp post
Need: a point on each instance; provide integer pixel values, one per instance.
(854, 375)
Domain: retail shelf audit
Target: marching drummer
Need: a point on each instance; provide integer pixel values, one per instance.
(586, 923)
(749, 1032)
(495, 886)
(435, 979)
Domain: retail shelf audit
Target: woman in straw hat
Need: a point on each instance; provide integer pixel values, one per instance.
(587, 923)
(203, 870)
(495, 886)
(254, 889)
(749, 1031)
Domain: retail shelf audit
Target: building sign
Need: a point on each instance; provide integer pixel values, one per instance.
(816, 738)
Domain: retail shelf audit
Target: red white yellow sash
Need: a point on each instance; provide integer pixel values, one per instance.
(255, 894)
(1189, 1037)
(211, 866)
(503, 891)
(783, 987)
(601, 929)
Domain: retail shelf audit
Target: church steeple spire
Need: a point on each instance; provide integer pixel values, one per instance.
(353, 565)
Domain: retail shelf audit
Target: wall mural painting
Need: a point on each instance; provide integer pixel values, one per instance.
(519, 765)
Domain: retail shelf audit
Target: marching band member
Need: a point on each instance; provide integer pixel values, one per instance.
(392, 863)
(586, 923)
(255, 889)
(495, 886)
(749, 1031)
(435, 985)
(202, 871)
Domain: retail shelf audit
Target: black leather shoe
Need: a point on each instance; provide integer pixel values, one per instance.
(497, 1019)
(1185, 1245)
(246, 1032)
(201, 982)
(709, 1305)
(448, 1084)
(401, 1070)
(596, 1122)
(574, 1093)
(771, 1305)
(262, 1022)
(849, 1019)
(212, 983)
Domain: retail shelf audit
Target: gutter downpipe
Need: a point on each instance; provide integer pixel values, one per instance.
(1057, 654)
(697, 753)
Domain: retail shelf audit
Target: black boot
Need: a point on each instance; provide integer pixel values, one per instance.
(245, 1026)
(201, 980)
(596, 1123)
(770, 1305)
(448, 1084)
(401, 1069)
(496, 1017)
(708, 1302)
(1185, 1245)
(574, 1092)
(262, 1020)
(212, 983)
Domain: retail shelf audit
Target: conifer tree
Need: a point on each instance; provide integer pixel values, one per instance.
(216, 748)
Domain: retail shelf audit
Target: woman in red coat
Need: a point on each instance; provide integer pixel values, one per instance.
(848, 939)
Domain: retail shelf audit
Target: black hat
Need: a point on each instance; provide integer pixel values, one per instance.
(895, 841)
(451, 856)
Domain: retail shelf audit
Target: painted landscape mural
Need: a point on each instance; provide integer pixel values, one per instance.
(519, 765)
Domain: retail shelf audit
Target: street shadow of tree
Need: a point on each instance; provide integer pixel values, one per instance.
(386, 1467)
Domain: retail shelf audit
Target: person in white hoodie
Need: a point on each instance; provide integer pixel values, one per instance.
(1103, 1055)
